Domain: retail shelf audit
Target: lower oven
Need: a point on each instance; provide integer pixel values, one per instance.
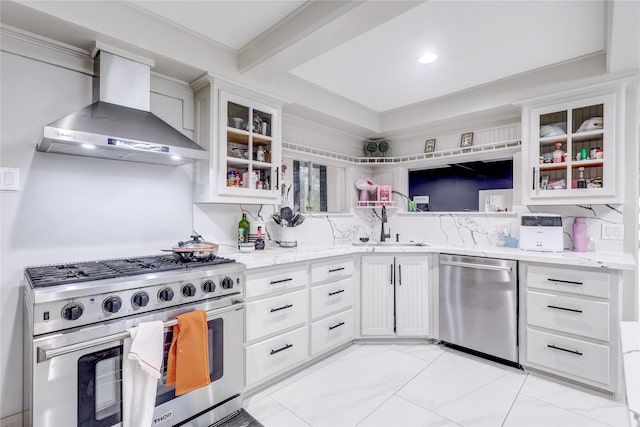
(77, 375)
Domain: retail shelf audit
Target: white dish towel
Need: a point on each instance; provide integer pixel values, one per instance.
(141, 371)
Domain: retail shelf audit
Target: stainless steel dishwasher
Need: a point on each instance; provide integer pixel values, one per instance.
(478, 307)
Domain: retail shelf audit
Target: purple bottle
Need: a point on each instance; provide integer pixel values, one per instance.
(580, 237)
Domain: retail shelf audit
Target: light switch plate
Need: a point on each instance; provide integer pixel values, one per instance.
(612, 231)
(9, 179)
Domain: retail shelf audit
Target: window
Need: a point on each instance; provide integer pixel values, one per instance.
(458, 187)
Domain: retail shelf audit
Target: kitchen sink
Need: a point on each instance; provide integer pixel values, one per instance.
(389, 244)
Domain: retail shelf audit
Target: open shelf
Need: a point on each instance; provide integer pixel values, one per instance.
(553, 166)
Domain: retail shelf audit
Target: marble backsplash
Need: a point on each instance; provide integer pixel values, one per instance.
(218, 223)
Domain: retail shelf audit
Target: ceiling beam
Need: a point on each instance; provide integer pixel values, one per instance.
(623, 35)
(315, 28)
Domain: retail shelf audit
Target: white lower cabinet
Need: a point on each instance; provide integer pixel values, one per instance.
(569, 318)
(275, 314)
(331, 332)
(332, 291)
(276, 355)
(581, 358)
(277, 321)
(288, 318)
(331, 297)
(395, 296)
(567, 314)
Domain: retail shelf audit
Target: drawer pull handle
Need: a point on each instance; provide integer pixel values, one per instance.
(564, 349)
(336, 326)
(287, 346)
(273, 282)
(333, 270)
(565, 309)
(336, 292)
(568, 282)
(284, 307)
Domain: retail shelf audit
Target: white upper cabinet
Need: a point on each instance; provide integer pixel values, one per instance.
(242, 131)
(573, 148)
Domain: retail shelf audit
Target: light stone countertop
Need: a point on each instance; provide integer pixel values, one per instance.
(630, 340)
(275, 255)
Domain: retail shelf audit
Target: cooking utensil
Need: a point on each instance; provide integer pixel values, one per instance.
(276, 218)
(297, 220)
(196, 248)
(286, 213)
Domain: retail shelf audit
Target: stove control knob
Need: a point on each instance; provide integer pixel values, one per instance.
(165, 294)
(112, 304)
(140, 299)
(227, 283)
(188, 290)
(72, 311)
(208, 286)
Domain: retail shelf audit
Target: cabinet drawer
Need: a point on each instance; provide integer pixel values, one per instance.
(579, 358)
(260, 282)
(331, 270)
(331, 297)
(580, 281)
(276, 354)
(331, 332)
(573, 315)
(275, 314)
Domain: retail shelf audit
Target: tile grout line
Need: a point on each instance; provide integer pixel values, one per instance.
(290, 411)
(571, 411)
(401, 386)
(429, 410)
(514, 400)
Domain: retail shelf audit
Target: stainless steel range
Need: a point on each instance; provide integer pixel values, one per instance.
(76, 320)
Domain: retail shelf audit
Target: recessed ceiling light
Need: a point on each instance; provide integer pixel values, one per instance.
(174, 157)
(427, 58)
(88, 146)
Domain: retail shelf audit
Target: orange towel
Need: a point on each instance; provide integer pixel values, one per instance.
(188, 362)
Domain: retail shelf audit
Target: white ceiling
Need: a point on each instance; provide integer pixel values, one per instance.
(478, 42)
(356, 61)
(230, 23)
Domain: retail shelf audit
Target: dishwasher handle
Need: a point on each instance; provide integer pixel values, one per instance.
(478, 266)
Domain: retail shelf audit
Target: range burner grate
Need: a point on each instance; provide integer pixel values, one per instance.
(61, 274)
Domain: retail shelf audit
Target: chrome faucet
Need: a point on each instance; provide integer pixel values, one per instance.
(384, 236)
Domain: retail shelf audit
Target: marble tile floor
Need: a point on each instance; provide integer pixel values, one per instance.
(426, 385)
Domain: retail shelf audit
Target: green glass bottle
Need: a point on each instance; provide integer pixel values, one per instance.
(243, 229)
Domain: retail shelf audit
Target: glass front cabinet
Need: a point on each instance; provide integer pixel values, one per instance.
(244, 145)
(572, 151)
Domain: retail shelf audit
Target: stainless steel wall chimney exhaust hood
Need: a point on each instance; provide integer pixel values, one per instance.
(118, 125)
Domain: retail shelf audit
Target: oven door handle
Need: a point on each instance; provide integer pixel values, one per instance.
(49, 353)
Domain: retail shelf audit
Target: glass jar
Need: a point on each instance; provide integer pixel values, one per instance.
(558, 153)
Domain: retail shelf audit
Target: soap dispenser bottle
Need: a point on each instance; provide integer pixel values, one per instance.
(580, 237)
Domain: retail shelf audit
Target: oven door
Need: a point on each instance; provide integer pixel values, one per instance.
(79, 382)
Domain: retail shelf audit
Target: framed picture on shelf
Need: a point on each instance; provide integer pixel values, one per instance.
(383, 195)
(430, 146)
(466, 140)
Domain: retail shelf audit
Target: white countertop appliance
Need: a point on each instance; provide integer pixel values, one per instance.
(541, 232)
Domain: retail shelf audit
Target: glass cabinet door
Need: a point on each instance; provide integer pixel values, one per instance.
(250, 148)
(573, 150)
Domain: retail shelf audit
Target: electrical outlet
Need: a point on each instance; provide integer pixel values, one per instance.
(612, 231)
(9, 179)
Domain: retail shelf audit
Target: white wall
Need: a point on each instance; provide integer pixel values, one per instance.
(71, 208)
